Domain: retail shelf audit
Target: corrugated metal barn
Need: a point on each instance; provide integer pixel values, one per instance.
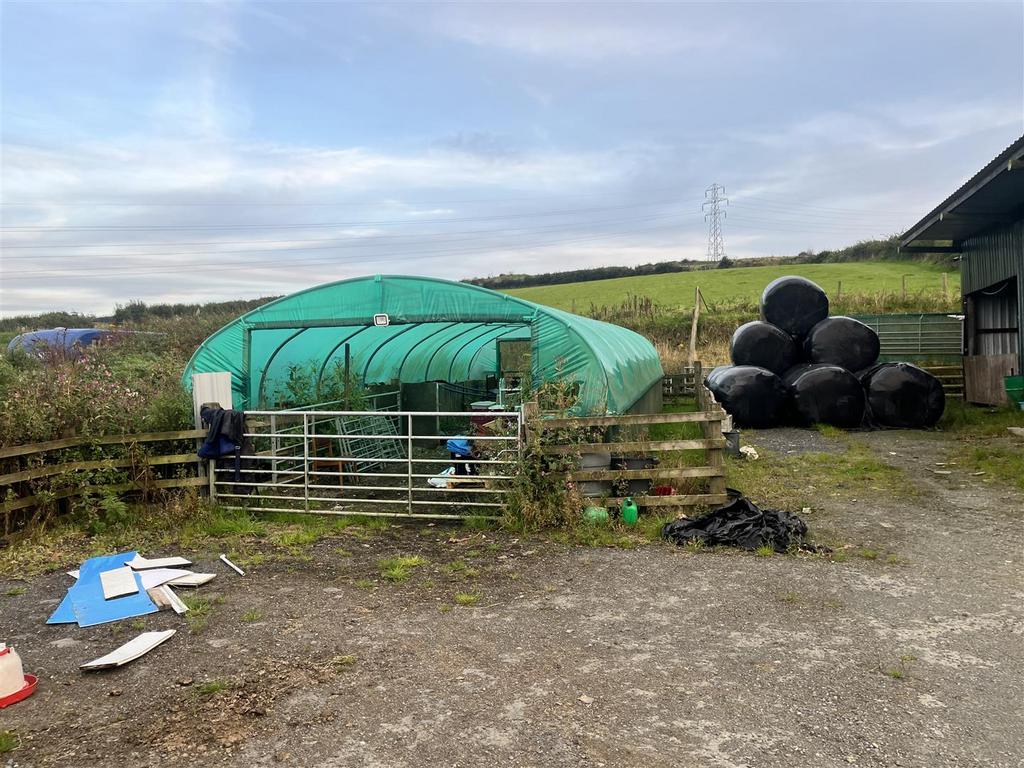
(983, 221)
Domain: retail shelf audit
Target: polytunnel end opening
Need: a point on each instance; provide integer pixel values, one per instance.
(297, 367)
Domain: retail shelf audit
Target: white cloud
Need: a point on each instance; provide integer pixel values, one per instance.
(893, 127)
(237, 248)
(580, 33)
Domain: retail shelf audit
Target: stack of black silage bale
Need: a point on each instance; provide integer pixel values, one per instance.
(797, 365)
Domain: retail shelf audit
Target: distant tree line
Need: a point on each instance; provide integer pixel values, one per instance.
(132, 313)
(867, 250)
(138, 313)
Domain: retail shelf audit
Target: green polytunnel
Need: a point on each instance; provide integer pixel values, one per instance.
(436, 330)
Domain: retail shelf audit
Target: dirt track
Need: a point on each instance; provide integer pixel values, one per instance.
(576, 656)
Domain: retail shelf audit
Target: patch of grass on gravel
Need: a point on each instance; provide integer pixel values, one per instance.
(1004, 463)
(342, 662)
(398, 569)
(983, 444)
(199, 610)
(899, 672)
(462, 568)
(293, 538)
(479, 523)
(15, 591)
(9, 741)
(467, 598)
(827, 430)
(65, 545)
(210, 687)
(251, 616)
(651, 523)
(607, 535)
(374, 523)
(219, 523)
(792, 482)
(964, 419)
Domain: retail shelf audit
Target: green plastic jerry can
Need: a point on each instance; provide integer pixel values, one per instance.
(629, 511)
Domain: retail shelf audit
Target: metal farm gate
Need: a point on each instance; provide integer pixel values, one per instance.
(922, 338)
(370, 463)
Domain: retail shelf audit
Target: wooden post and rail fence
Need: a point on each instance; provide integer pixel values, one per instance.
(22, 465)
(711, 445)
(34, 475)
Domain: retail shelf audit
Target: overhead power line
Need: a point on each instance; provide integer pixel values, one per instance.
(783, 201)
(316, 243)
(253, 203)
(192, 267)
(311, 225)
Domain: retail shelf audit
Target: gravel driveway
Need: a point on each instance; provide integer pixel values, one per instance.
(911, 654)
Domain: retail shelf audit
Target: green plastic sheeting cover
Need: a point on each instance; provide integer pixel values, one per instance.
(439, 331)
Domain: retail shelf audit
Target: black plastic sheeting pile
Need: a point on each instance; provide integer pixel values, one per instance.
(740, 523)
(799, 366)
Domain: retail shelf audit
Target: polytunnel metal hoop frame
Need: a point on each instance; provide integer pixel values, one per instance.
(451, 366)
(615, 366)
(334, 349)
(388, 340)
(482, 347)
(463, 332)
(415, 346)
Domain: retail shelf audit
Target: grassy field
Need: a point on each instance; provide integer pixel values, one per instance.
(744, 283)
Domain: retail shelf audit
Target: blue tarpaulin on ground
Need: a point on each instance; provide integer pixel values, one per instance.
(84, 603)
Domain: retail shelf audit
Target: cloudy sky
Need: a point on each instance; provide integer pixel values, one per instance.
(202, 151)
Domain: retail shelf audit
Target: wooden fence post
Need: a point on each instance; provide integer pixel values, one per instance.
(531, 411)
(715, 457)
(693, 327)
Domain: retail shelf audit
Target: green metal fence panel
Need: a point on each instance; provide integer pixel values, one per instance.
(929, 337)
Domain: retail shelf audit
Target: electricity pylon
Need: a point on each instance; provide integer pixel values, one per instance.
(713, 215)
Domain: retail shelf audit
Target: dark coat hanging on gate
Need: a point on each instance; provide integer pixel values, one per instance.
(225, 443)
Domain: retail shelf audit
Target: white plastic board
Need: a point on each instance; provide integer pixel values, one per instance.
(118, 582)
(210, 388)
(140, 563)
(131, 650)
(191, 579)
(176, 603)
(157, 576)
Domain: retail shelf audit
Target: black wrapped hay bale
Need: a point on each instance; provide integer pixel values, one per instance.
(902, 395)
(711, 378)
(842, 341)
(762, 344)
(754, 397)
(794, 304)
(825, 394)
